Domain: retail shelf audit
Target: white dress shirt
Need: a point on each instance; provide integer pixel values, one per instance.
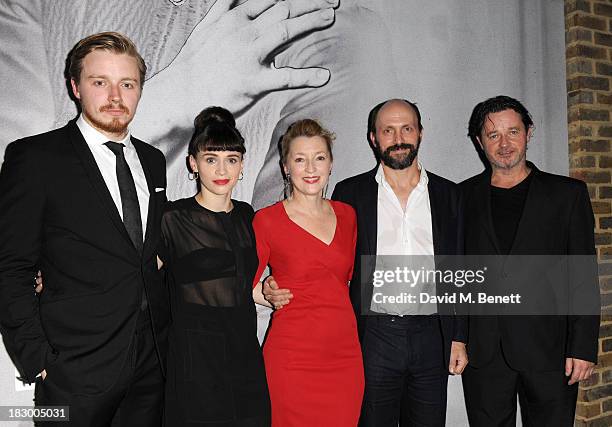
(404, 238)
(107, 162)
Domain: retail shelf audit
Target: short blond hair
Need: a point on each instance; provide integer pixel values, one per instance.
(110, 41)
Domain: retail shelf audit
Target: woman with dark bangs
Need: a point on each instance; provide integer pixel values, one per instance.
(215, 369)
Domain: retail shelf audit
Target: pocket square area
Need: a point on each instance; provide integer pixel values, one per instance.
(158, 189)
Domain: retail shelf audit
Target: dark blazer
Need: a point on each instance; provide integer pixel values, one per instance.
(557, 220)
(58, 216)
(361, 192)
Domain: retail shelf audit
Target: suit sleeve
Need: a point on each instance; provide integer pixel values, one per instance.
(460, 330)
(583, 281)
(22, 203)
(262, 244)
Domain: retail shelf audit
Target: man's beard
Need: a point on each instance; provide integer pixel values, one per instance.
(115, 126)
(402, 162)
(495, 164)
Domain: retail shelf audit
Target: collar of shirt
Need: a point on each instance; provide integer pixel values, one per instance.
(94, 137)
(421, 186)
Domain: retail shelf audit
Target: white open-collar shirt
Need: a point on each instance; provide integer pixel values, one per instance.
(404, 232)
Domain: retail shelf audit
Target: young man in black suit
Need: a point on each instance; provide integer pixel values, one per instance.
(83, 203)
(513, 210)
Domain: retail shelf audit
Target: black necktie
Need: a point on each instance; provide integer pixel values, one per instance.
(129, 198)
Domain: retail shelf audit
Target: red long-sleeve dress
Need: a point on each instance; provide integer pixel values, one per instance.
(311, 353)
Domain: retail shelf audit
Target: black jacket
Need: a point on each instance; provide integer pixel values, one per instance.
(361, 192)
(557, 220)
(58, 216)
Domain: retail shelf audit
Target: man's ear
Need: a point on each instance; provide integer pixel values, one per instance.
(529, 133)
(75, 89)
(372, 139)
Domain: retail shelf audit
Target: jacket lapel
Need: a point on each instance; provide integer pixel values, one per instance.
(436, 218)
(536, 199)
(369, 207)
(482, 200)
(97, 181)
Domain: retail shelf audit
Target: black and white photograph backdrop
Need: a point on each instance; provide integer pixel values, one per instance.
(331, 60)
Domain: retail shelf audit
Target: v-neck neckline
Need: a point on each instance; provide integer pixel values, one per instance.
(308, 232)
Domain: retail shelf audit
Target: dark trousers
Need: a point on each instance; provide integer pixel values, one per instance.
(136, 399)
(490, 396)
(405, 373)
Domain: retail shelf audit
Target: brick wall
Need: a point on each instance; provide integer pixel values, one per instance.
(588, 41)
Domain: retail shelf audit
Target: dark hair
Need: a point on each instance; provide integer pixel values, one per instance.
(305, 127)
(215, 130)
(374, 115)
(109, 41)
(495, 105)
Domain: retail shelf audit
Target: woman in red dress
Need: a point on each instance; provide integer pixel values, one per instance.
(311, 353)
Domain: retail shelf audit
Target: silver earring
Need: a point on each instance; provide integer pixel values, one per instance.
(192, 176)
(241, 176)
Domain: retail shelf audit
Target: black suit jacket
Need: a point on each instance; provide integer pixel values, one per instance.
(361, 192)
(58, 216)
(557, 220)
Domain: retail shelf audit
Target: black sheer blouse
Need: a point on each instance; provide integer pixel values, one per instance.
(215, 366)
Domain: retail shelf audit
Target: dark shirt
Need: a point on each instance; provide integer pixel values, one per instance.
(506, 209)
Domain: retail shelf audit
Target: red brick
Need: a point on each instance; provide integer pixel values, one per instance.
(589, 114)
(602, 208)
(605, 284)
(605, 222)
(603, 68)
(588, 410)
(603, 239)
(605, 421)
(578, 34)
(579, 97)
(587, 21)
(604, 268)
(603, 9)
(605, 192)
(604, 98)
(592, 381)
(605, 131)
(590, 146)
(592, 177)
(605, 162)
(575, 5)
(575, 130)
(586, 82)
(579, 66)
(597, 393)
(603, 39)
(580, 50)
(582, 162)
